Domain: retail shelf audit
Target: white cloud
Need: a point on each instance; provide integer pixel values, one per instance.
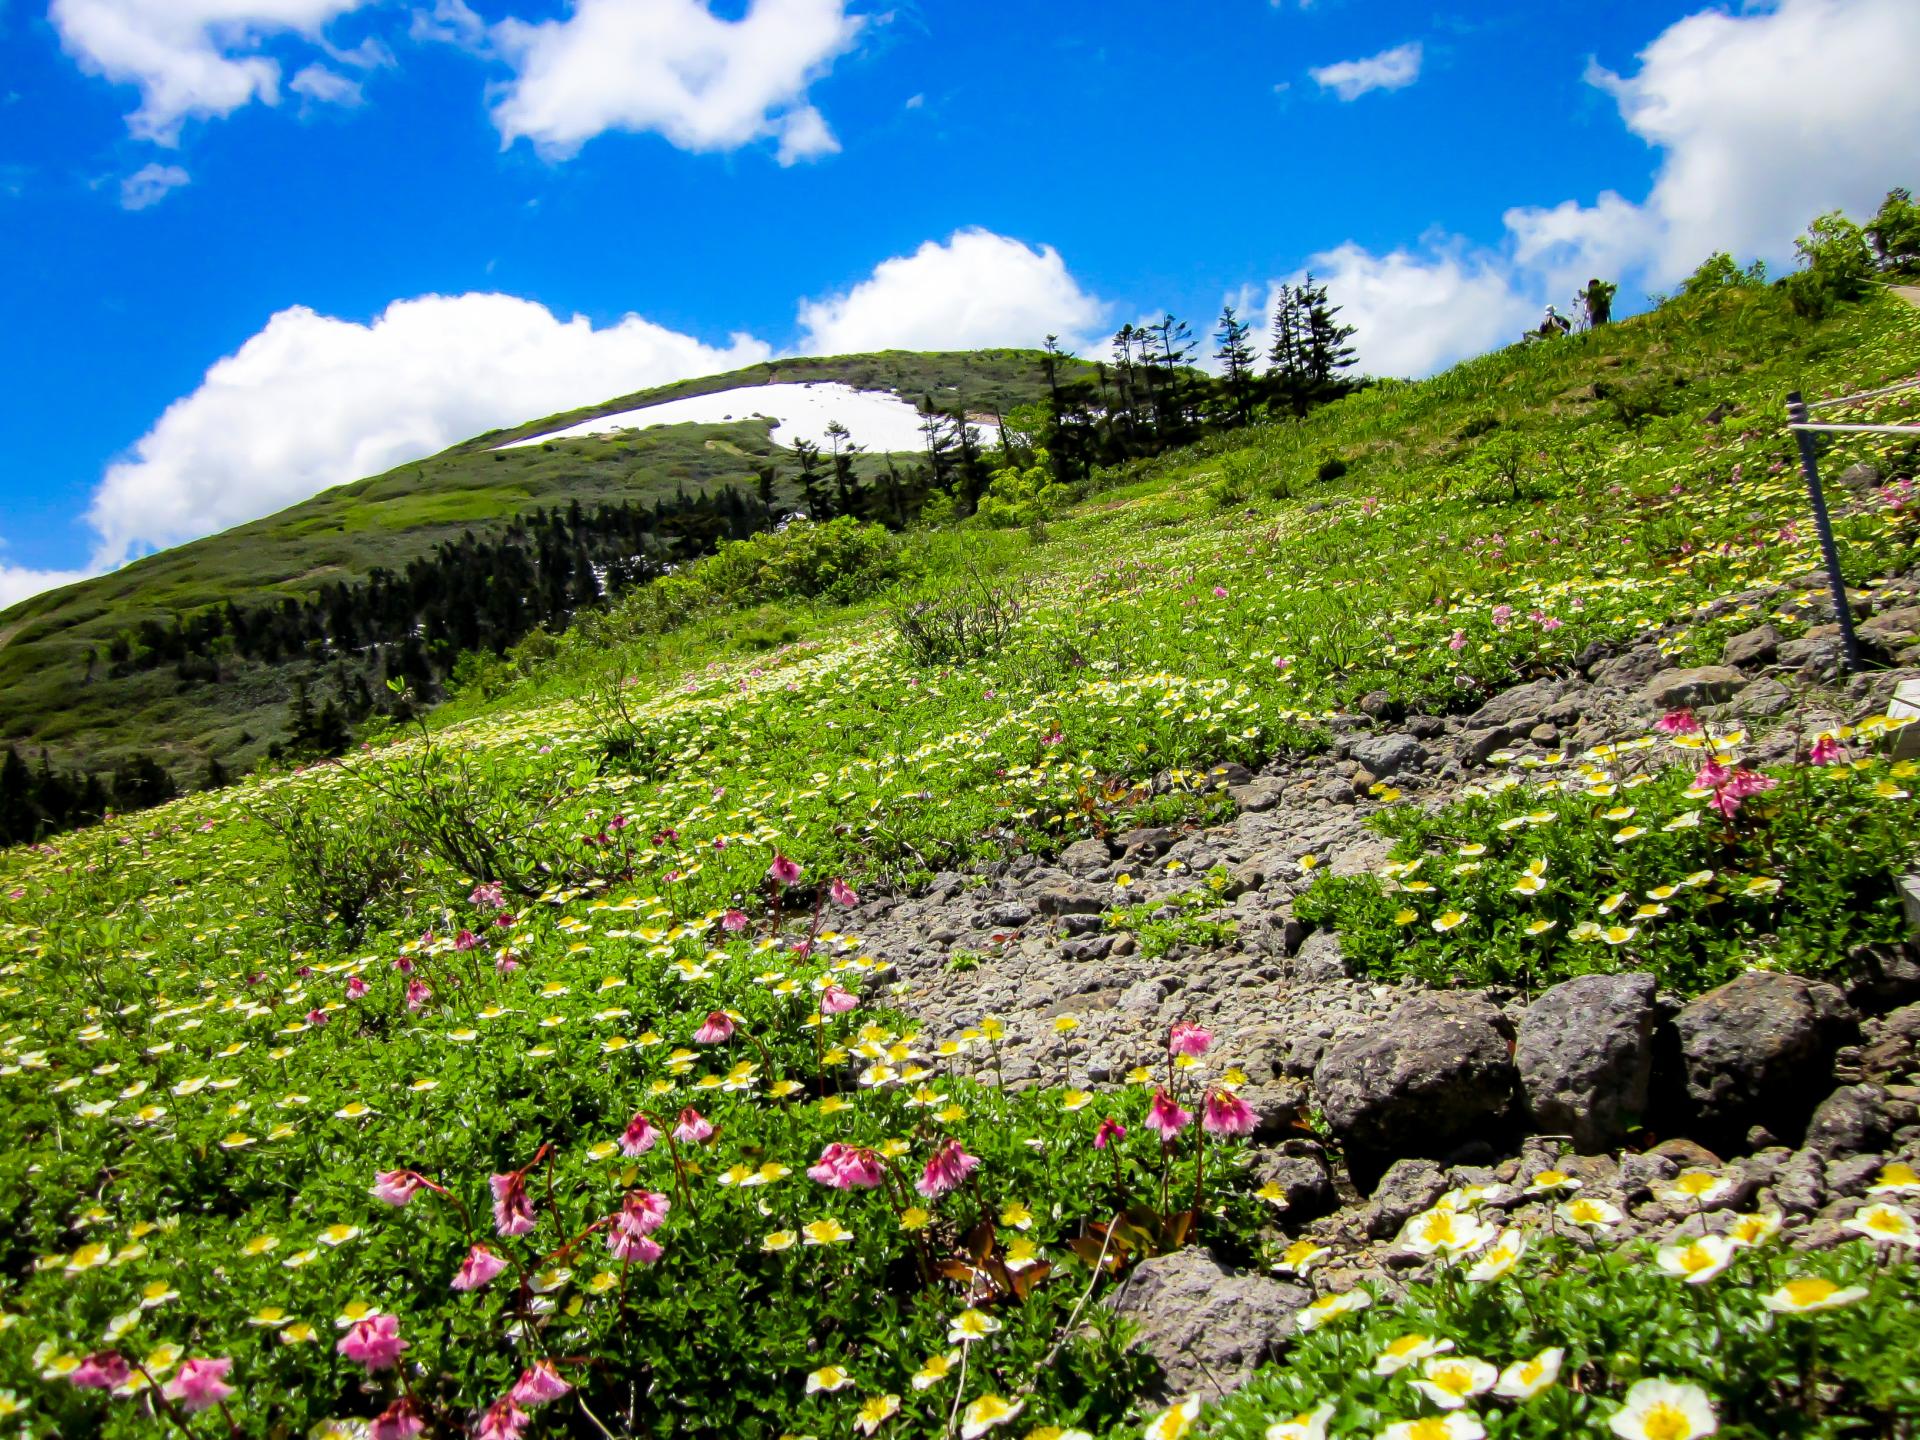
(1766, 119)
(451, 22)
(977, 289)
(188, 57)
(151, 184)
(1393, 69)
(312, 401)
(674, 68)
(326, 87)
(18, 582)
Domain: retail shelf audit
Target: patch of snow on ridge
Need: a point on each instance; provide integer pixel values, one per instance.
(879, 420)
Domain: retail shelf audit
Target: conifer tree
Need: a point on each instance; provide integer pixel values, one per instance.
(1235, 354)
(1326, 354)
(1288, 387)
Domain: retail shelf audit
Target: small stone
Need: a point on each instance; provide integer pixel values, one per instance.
(1763, 698)
(1085, 855)
(1406, 1189)
(1258, 797)
(1753, 647)
(1298, 1170)
(1687, 689)
(1758, 1051)
(1585, 1056)
(1544, 735)
(1435, 1072)
(1520, 706)
(1069, 899)
(1390, 754)
(1850, 1121)
(1206, 1325)
(1147, 842)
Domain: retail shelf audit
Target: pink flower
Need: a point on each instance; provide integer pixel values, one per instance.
(946, 1170)
(1677, 722)
(466, 940)
(692, 1128)
(1280, 662)
(848, 1167)
(734, 921)
(403, 963)
(1826, 751)
(356, 987)
(507, 963)
(639, 1136)
(836, 1001)
(633, 1249)
(643, 1212)
(718, 1027)
(418, 995)
(199, 1385)
(478, 1269)
(490, 896)
(396, 1187)
(1551, 622)
(512, 1210)
(538, 1385)
(1227, 1114)
(1712, 776)
(399, 1421)
(1165, 1117)
(1459, 640)
(783, 870)
(1187, 1038)
(317, 1017)
(1111, 1132)
(373, 1342)
(1502, 614)
(843, 893)
(104, 1371)
(504, 1420)
(1219, 592)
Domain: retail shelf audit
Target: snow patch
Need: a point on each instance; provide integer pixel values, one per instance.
(879, 420)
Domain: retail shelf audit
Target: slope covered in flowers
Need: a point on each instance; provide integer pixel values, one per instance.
(531, 1076)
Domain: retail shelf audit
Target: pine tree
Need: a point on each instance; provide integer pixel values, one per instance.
(846, 479)
(1288, 386)
(1170, 352)
(1235, 355)
(806, 455)
(1324, 341)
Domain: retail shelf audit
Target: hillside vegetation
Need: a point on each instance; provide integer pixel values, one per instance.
(529, 1073)
(61, 687)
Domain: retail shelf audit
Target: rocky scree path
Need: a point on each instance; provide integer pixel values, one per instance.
(1802, 1091)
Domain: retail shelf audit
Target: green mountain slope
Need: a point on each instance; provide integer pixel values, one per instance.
(52, 696)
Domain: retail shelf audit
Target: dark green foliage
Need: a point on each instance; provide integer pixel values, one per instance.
(969, 622)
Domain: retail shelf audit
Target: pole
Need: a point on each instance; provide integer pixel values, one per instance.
(1809, 467)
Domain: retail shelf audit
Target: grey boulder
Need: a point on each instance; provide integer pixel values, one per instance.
(1585, 1056)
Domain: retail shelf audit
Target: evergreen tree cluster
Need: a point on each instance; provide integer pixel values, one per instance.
(1147, 396)
(473, 593)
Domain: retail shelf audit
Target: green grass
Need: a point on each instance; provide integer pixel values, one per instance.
(185, 1040)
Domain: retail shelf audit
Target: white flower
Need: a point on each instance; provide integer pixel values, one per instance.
(1408, 1350)
(1663, 1410)
(1331, 1307)
(1525, 1379)
(1451, 1382)
(1445, 1232)
(1811, 1293)
(1455, 1426)
(1499, 1258)
(1176, 1421)
(1887, 1224)
(1697, 1261)
(990, 1410)
(1311, 1425)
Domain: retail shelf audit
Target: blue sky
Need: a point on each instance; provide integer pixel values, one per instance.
(187, 180)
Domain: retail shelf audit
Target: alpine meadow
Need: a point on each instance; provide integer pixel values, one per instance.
(1173, 886)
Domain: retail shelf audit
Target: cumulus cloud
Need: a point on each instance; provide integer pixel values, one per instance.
(674, 68)
(151, 184)
(1393, 69)
(1765, 119)
(188, 57)
(976, 289)
(312, 401)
